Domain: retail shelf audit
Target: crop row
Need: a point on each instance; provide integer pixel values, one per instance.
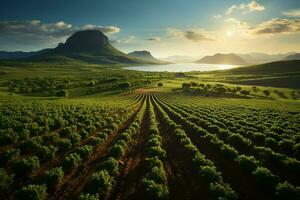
(204, 169)
(249, 164)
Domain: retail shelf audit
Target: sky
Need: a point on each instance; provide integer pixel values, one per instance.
(164, 27)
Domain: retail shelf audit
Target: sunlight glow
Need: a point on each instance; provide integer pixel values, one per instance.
(229, 33)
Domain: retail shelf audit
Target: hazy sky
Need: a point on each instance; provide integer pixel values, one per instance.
(165, 27)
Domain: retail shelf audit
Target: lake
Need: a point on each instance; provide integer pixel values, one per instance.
(181, 67)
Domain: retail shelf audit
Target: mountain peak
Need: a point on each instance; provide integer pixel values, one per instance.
(85, 41)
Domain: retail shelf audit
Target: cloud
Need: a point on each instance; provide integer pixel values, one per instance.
(195, 36)
(123, 41)
(277, 26)
(217, 16)
(231, 9)
(155, 39)
(246, 8)
(292, 13)
(104, 29)
(254, 6)
(270, 27)
(35, 32)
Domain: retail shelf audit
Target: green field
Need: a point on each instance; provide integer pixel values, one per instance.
(82, 131)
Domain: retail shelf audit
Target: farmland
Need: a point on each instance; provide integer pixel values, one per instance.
(151, 145)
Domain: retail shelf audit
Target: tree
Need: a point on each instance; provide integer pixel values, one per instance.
(125, 86)
(194, 84)
(159, 84)
(244, 92)
(255, 89)
(186, 86)
(238, 88)
(61, 93)
(91, 84)
(32, 192)
(266, 93)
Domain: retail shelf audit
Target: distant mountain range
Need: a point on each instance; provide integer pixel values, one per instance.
(144, 55)
(90, 46)
(231, 59)
(20, 54)
(263, 57)
(295, 56)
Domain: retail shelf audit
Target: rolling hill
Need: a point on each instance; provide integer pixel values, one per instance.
(231, 59)
(295, 56)
(144, 55)
(276, 74)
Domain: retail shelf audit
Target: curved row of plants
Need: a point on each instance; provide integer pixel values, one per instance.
(204, 168)
(264, 177)
(73, 149)
(103, 181)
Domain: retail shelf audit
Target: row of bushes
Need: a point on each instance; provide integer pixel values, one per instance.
(263, 176)
(103, 181)
(205, 168)
(265, 155)
(154, 182)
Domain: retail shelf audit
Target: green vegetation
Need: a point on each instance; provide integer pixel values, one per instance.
(82, 131)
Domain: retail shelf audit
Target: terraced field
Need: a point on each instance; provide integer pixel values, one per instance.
(149, 146)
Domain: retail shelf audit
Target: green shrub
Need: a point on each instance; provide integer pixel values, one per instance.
(247, 163)
(46, 153)
(88, 197)
(6, 181)
(229, 151)
(112, 166)
(74, 137)
(155, 151)
(222, 191)
(26, 165)
(85, 151)
(154, 191)
(101, 182)
(157, 174)
(265, 178)
(71, 161)
(53, 176)
(32, 192)
(117, 151)
(210, 174)
(287, 191)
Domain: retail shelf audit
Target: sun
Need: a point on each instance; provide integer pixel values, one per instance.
(229, 33)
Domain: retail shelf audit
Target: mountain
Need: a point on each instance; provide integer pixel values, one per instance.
(90, 46)
(20, 54)
(181, 59)
(231, 59)
(263, 57)
(295, 56)
(144, 55)
(276, 74)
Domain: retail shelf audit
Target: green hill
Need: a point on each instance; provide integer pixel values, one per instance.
(90, 46)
